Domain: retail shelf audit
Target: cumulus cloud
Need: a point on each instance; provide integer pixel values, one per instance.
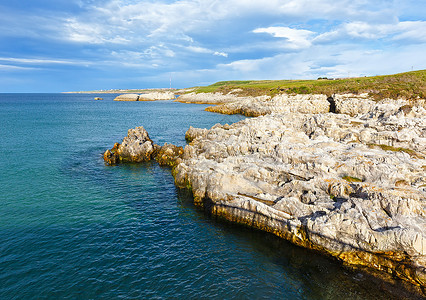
(213, 38)
(297, 38)
(410, 31)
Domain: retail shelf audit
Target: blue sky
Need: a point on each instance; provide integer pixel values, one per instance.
(69, 45)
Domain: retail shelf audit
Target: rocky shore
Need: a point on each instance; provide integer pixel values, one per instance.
(152, 96)
(343, 174)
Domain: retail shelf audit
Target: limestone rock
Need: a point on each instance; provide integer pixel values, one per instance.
(350, 186)
(263, 105)
(207, 98)
(127, 97)
(151, 96)
(157, 96)
(136, 147)
(168, 155)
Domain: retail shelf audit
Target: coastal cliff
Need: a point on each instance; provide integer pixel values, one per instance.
(343, 174)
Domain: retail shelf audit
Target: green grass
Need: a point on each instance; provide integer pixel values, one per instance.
(409, 85)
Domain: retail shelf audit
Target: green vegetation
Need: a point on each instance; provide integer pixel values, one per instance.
(351, 179)
(410, 85)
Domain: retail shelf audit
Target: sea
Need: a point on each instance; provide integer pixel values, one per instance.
(72, 227)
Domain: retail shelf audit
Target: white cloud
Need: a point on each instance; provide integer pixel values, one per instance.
(297, 38)
(198, 37)
(14, 68)
(220, 54)
(196, 49)
(42, 61)
(410, 31)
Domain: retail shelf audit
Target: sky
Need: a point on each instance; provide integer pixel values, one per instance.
(74, 45)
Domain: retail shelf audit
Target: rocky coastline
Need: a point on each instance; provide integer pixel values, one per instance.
(341, 174)
(151, 96)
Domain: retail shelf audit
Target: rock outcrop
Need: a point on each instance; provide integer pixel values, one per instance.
(352, 187)
(212, 98)
(169, 155)
(350, 183)
(152, 96)
(127, 97)
(264, 105)
(138, 147)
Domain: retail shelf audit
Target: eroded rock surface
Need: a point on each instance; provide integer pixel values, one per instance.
(169, 155)
(127, 97)
(353, 187)
(214, 98)
(151, 96)
(259, 106)
(350, 183)
(138, 147)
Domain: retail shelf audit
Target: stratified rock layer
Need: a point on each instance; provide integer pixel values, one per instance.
(353, 187)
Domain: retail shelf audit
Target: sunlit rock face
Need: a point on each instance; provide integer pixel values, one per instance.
(151, 96)
(135, 147)
(353, 187)
(350, 183)
(138, 147)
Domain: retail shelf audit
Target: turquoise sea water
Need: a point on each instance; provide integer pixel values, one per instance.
(73, 228)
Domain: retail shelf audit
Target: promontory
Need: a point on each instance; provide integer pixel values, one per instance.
(334, 166)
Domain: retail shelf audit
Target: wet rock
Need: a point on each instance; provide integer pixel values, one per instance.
(168, 155)
(135, 147)
(138, 147)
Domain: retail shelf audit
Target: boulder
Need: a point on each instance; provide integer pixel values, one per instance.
(135, 147)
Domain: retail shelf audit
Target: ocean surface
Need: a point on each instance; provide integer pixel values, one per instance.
(73, 228)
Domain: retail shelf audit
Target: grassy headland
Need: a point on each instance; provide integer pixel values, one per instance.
(409, 85)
